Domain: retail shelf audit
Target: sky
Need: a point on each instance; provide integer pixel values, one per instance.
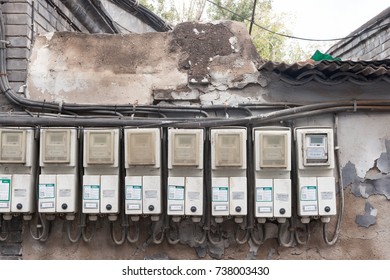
(326, 19)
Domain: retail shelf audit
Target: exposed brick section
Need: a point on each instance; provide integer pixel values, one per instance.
(372, 44)
(23, 19)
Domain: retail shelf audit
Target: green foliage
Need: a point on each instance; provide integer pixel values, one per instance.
(269, 45)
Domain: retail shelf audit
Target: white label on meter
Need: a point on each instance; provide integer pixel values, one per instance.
(264, 209)
(151, 194)
(20, 192)
(5, 188)
(315, 153)
(133, 192)
(46, 191)
(309, 193)
(220, 194)
(264, 198)
(46, 205)
(176, 196)
(175, 192)
(264, 194)
(91, 192)
(64, 193)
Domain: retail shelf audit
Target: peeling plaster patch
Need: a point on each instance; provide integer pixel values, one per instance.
(363, 189)
(383, 162)
(369, 217)
(349, 174)
(382, 186)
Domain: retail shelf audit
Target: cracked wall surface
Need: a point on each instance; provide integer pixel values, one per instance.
(197, 63)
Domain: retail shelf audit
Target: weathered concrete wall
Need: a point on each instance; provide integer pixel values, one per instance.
(197, 63)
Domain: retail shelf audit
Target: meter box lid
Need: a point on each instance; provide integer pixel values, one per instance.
(142, 147)
(55, 145)
(185, 148)
(13, 146)
(272, 148)
(99, 147)
(228, 148)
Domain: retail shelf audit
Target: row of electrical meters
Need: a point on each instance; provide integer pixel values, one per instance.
(58, 176)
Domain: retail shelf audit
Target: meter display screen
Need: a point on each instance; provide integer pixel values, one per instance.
(316, 149)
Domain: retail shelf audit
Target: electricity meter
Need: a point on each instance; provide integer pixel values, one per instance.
(316, 149)
(273, 152)
(13, 146)
(141, 148)
(143, 173)
(228, 148)
(185, 148)
(316, 182)
(17, 170)
(272, 148)
(55, 146)
(100, 147)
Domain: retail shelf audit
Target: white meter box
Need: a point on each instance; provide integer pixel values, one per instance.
(57, 193)
(109, 188)
(273, 149)
(101, 147)
(91, 194)
(133, 195)
(194, 196)
(176, 193)
(185, 148)
(282, 198)
(5, 193)
(307, 196)
(228, 148)
(264, 206)
(17, 146)
(326, 196)
(220, 196)
(47, 193)
(315, 148)
(142, 147)
(151, 195)
(22, 194)
(58, 146)
(238, 196)
(66, 201)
